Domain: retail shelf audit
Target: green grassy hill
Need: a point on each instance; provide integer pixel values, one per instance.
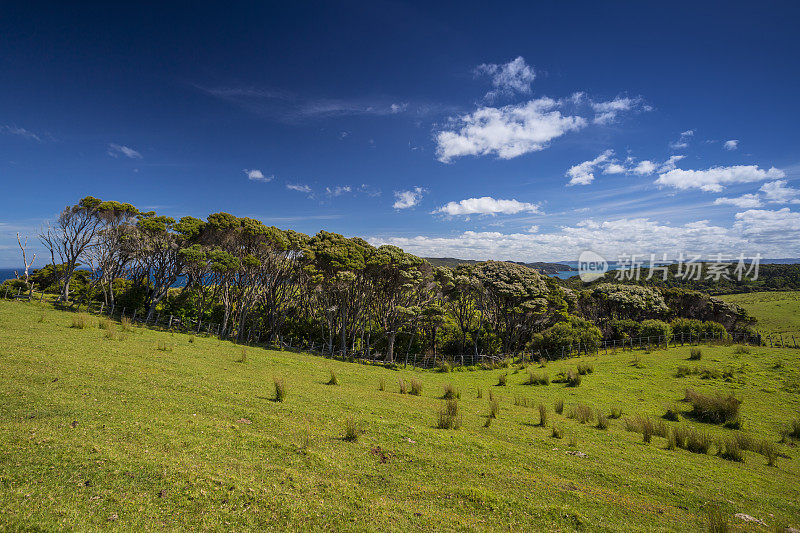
(776, 312)
(141, 430)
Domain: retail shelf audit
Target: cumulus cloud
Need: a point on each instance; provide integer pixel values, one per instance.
(257, 175)
(515, 76)
(715, 178)
(777, 192)
(744, 201)
(770, 233)
(644, 168)
(487, 205)
(614, 168)
(298, 187)
(583, 173)
(606, 112)
(508, 132)
(733, 144)
(407, 199)
(115, 150)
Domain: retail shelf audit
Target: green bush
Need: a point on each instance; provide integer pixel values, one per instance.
(657, 330)
(572, 332)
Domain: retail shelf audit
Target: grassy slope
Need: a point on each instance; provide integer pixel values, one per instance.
(159, 444)
(776, 312)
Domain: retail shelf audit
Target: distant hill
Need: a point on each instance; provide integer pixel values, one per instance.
(544, 268)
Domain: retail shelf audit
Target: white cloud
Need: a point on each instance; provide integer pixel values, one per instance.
(778, 193)
(406, 199)
(644, 168)
(298, 187)
(115, 150)
(778, 226)
(733, 144)
(515, 76)
(509, 131)
(398, 108)
(19, 132)
(744, 201)
(606, 112)
(257, 175)
(683, 142)
(583, 173)
(715, 178)
(614, 168)
(338, 190)
(533, 229)
(487, 205)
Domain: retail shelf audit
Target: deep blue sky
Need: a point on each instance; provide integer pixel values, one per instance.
(366, 108)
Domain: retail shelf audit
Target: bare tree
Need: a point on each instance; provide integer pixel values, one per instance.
(74, 232)
(24, 248)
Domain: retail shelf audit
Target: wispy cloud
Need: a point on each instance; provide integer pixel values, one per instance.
(298, 187)
(116, 150)
(509, 78)
(683, 141)
(607, 112)
(408, 199)
(732, 144)
(11, 129)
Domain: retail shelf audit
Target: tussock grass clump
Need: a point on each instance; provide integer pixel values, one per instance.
(502, 379)
(381, 384)
(40, 319)
(559, 406)
(451, 393)
(334, 380)
(280, 389)
(125, 324)
(729, 449)
(557, 432)
(480, 393)
(449, 415)
(697, 441)
(104, 324)
(538, 379)
(162, 346)
(716, 520)
(542, 415)
(111, 335)
(792, 430)
(80, 321)
(602, 420)
(494, 408)
(672, 441)
(191, 339)
(673, 412)
(403, 386)
(416, 387)
(581, 413)
(573, 378)
(741, 349)
(351, 431)
(522, 401)
(716, 409)
(242, 356)
(695, 354)
(770, 451)
(616, 412)
(585, 368)
(647, 427)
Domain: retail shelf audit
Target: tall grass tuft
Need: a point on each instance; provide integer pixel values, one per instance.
(717, 520)
(125, 324)
(416, 387)
(80, 321)
(381, 384)
(559, 406)
(792, 430)
(672, 441)
(602, 420)
(616, 412)
(191, 339)
(480, 393)
(585, 368)
(403, 386)
(729, 449)
(740, 349)
(494, 408)
(40, 319)
(451, 393)
(162, 346)
(242, 356)
(695, 354)
(557, 432)
(673, 412)
(502, 379)
(351, 430)
(716, 409)
(110, 334)
(449, 415)
(769, 451)
(334, 378)
(581, 413)
(104, 323)
(573, 378)
(280, 389)
(542, 415)
(537, 379)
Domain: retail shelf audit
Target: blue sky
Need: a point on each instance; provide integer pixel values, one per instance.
(524, 131)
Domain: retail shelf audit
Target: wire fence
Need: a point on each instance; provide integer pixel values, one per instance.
(252, 336)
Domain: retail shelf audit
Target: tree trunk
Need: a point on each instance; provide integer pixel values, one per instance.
(390, 348)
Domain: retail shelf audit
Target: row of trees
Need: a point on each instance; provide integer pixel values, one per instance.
(251, 276)
(342, 292)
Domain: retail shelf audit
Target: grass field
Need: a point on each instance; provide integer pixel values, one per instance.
(776, 312)
(141, 430)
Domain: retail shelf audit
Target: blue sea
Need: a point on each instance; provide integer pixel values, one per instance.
(8, 273)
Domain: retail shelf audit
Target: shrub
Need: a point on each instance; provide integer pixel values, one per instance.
(542, 415)
(444, 366)
(581, 413)
(80, 321)
(351, 431)
(729, 449)
(403, 386)
(538, 379)
(559, 406)
(616, 412)
(557, 432)
(280, 389)
(334, 379)
(416, 387)
(656, 330)
(381, 384)
(695, 354)
(673, 413)
(449, 415)
(501, 380)
(571, 332)
(451, 393)
(494, 408)
(585, 368)
(716, 409)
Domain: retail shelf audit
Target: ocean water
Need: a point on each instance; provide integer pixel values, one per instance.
(8, 273)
